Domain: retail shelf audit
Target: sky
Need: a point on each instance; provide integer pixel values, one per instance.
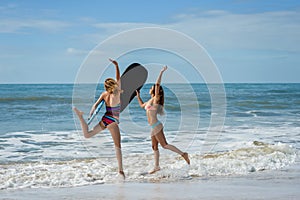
(248, 40)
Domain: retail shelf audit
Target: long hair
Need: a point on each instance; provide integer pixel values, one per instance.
(161, 98)
(110, 85)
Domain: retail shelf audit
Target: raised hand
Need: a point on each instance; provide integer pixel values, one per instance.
(113, 61)
(137, 93)
(117, 71)
(164, 68)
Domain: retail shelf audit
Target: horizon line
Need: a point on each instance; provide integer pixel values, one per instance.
(70, 83)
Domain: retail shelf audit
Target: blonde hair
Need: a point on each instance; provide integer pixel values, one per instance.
(110, 85)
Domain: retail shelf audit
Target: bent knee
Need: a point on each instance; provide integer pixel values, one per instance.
(87, 135)
(155, 147)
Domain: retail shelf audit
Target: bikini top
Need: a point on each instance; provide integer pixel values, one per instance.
(150, 107)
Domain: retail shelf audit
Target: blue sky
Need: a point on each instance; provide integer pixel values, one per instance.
(249, 40)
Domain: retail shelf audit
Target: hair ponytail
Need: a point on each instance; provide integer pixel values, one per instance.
(110, 85)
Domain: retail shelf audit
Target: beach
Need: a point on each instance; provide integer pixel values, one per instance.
(282, 184)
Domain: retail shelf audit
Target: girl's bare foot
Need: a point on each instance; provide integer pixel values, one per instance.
(186, 157)
(78, 112)
(154, 170)
(122, 174)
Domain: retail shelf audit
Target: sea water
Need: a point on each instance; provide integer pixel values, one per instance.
(41, 144)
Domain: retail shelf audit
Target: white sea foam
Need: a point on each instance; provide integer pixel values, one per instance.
(257, 156)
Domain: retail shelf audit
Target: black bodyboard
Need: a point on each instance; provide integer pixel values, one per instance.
(133, 78)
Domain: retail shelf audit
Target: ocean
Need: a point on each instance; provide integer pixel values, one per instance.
(41, 145)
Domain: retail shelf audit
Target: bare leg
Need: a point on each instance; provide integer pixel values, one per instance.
(156, 155)
(115, 133)
(160, 137)
(119, 158)
(85, 127)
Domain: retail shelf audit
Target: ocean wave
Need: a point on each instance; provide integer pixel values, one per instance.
(34, 99)
(260, 105)
(263, 113)
(258, 156)
(279, 91)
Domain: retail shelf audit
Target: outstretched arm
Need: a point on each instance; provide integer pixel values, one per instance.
(117, 70)
(142, 104)
(158, 81)
(96, 104)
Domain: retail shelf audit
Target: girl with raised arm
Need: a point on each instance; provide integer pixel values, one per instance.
(153, 107)
(110, 120)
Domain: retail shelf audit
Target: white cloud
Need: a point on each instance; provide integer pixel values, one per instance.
(11, 22)
(122, 25)
(114, 28)
(8, 8)
(73, 51)
(22, 25)
(224, 30)
(81, 52)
